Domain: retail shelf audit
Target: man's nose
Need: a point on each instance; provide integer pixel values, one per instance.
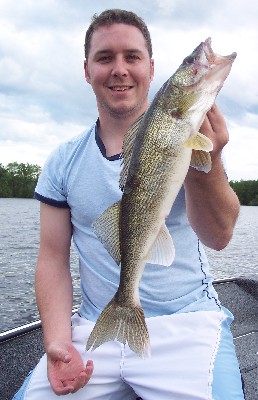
(119, 67)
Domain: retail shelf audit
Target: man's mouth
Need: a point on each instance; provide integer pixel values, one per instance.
(120, 88)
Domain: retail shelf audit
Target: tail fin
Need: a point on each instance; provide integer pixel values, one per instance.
(126, 324)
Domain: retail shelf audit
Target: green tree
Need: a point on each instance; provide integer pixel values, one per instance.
(254, 202)
(18, 180)
(5, 190)
(247, 191)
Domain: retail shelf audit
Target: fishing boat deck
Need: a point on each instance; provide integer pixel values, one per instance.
(240, 296)
(21, 349)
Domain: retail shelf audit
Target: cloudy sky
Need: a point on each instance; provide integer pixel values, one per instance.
(44, 99)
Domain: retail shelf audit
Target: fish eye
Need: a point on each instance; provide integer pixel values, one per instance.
(189, 60)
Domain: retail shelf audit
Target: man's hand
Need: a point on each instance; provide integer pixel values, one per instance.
(212, 206)
(66, 372)
(215, 128)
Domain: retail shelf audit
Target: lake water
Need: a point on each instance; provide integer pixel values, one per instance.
(19, 243)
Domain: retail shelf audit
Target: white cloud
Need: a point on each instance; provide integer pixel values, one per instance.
(241, 151)
(34, 140)
(44, 98)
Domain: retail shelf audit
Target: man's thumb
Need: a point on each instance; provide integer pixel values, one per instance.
(59, 354)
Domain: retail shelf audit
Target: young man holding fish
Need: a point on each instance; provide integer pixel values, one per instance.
(186, 330)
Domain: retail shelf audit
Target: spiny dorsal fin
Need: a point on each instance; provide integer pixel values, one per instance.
(128, 149)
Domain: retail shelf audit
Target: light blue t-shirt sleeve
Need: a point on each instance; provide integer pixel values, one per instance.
(51, 187)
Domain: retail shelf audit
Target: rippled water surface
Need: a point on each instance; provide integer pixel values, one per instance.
(19, 243)
(240, 257)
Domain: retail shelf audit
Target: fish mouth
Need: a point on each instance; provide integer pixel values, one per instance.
(206, 58)
(216, 59)
(207, 64)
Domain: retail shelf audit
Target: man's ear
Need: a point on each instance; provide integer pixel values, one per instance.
(151, 69)
(86, 72)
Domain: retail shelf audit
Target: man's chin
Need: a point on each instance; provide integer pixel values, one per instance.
(123, 112)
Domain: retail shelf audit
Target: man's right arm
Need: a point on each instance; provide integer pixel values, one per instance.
(54, 295)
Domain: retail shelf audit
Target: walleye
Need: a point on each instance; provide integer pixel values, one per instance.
(157, 152)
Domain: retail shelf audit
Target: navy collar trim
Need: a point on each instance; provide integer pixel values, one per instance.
(101, 146)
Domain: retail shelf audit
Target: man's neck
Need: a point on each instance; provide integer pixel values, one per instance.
(112, 132)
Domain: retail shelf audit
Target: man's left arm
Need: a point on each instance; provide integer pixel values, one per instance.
(212, 205)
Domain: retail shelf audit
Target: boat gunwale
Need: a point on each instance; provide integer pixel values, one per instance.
(33, 326)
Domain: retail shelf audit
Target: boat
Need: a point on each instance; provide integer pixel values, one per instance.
(21, 348)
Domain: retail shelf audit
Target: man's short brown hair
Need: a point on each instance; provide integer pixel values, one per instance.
(109, 17)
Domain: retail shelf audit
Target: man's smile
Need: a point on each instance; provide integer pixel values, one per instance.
(120, 88)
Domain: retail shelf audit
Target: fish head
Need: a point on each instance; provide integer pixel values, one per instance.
(203, 68)
(192, 89)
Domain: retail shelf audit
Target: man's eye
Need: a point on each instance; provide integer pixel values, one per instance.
(104, 59)
(132, 57)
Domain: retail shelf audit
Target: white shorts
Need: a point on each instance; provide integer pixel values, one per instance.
(192, 358)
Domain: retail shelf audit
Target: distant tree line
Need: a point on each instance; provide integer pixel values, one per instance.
(18, 180)
(247, 192)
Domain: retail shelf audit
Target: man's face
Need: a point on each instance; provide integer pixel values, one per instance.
(120, 70)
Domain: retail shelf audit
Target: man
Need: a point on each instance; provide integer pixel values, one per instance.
(192, 350)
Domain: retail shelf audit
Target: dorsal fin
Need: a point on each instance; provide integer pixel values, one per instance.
(128, 149)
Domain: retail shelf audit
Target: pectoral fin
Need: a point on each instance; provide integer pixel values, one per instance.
(106, 228)
(199, 142)
(162, 251)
